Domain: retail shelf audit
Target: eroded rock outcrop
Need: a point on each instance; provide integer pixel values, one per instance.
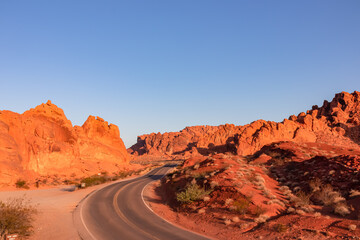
(42, 141)
(335, 123)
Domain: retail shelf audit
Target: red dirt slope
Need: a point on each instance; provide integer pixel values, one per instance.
(287, 190)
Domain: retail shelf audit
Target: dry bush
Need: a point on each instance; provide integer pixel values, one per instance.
(280, 228)
(227, 221)
(302, 199)
(196, 166)
(291, 210)
(228, 201)
(201, 175)
(354, 193)
(341, 208)
(352, 227)
(276, 201)
(326, 195)
(317, 214)
(261, 219)
(258, 211)
(332, 198)
(214, 184)
(315, 184)
(16, 216)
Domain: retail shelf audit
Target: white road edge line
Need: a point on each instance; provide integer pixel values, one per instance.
(86, 198)
(176, 225)
(83, 222)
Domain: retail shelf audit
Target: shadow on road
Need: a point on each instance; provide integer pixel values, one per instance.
(155, 177)
(69, 188)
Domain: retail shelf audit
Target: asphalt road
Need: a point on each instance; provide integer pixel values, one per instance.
(118, 211)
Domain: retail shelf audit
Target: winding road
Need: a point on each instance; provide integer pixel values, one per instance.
(118, 211)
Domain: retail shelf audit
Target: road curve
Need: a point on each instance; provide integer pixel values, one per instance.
(118, 211)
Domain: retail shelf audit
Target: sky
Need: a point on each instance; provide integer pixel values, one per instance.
(159, 66)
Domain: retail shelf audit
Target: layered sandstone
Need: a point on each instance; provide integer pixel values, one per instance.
(336, 123)
(42, 141)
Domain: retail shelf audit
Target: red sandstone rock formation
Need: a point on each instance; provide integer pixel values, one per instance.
(336, 123)
(42, 141)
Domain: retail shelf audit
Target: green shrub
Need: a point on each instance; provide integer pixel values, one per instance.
(21, 184)
(242, 205)
(93, 180)
(123, 174)
(258, 211)
(192, 193)
(16, 216)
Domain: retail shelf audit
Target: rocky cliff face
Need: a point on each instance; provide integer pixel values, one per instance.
(42, 141)
(336, 123)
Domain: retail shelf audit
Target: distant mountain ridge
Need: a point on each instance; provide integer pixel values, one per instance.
(335, 123)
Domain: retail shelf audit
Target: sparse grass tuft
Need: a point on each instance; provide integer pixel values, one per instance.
(352, 227)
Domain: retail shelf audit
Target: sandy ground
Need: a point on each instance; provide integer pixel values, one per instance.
(56, 205)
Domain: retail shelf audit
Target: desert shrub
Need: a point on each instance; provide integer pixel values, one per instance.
(68, 182)
(341, 208)
(201, 175)
(16, 216)
(241, 206)
(258, 211)
(192, 193)
(93, 180)
(280, 228)
(123, 174)
(21, 184)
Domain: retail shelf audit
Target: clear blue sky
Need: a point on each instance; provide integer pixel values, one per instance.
(156, 66)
